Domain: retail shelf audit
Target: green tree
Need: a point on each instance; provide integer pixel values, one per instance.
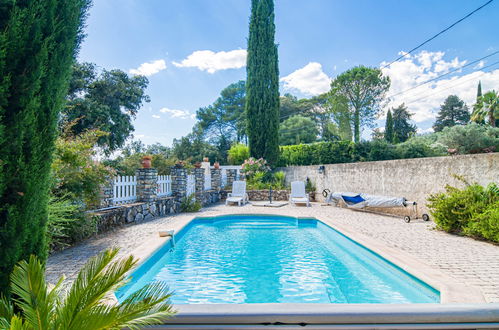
(453, 112)
(487, 106)
(389, 127)
(108, 101)
(341, 116)
(262, 83)
(238, 153)
(87, 304)
(297, 130)
(225, 119)
(291, 106)
(38, 43)
(364, 88)
(193, 147)
(402, 129)
(479, 91)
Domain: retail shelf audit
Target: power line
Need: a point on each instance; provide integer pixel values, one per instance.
(445, 74)
(454, 85)
(436, 35)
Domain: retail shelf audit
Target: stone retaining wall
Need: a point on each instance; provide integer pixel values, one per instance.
(142, 211)
(261, 195)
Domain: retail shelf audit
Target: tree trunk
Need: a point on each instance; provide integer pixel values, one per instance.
(356, 120)
(492, 119)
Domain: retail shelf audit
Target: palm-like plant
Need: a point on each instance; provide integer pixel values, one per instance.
(88, 304)
(487, 106)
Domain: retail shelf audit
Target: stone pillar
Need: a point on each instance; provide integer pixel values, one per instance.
(199, 183)
(179, 182)
(147, 184)
(106, 193)
(231, 177)
(216, 179)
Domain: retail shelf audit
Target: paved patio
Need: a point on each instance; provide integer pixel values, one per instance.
(471, 262)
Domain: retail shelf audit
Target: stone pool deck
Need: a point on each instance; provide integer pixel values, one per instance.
(416, 246)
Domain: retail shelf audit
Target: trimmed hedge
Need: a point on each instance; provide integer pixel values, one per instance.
(348, 152)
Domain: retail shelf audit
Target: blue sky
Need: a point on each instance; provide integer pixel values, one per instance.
(193, 49)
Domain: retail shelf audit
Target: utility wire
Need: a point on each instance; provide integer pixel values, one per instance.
(445, 74)
(436, 35)
(454, 85)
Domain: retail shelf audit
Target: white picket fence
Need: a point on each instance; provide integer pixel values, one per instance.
(191, 185)
(164, 185)
(125, 189)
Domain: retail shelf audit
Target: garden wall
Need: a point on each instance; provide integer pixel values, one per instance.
(414, 178)
(137, 212)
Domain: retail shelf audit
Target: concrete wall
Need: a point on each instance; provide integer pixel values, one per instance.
(414, 179)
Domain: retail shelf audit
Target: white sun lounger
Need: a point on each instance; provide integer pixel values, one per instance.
(298, 194)
(238, 194)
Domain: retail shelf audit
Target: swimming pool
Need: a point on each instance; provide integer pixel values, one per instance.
(274, 259)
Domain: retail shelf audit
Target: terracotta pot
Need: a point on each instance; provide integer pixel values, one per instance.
(146, 162)
(206, 159)
(197, 165)
(216, 165)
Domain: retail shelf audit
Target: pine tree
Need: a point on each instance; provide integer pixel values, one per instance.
(38, 41)
(402, 128)
(262, 83)
(389, 127)
(453, 112)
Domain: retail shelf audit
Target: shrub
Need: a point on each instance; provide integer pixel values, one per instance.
(62, 213)
(237, 154)
(190, 204)
(382, 150)
(316, 153)
(471, 138)
(470, 210)
(251, 166)
(74, 171)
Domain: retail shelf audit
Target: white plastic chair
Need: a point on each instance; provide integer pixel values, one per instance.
(238, 194)
(298, 194)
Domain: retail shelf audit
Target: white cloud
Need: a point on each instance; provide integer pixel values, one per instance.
(182, 114)
(425, 101)
(156, 116)
(425, 130)
(206, 60)
(310, 80)
(149, 68)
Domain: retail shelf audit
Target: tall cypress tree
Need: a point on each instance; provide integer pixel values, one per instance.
(479, 91)
(38, 40)
(389, 127)
(262, 83)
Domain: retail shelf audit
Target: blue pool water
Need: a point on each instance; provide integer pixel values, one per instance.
(274, 259)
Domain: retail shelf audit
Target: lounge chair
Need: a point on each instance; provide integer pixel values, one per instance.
(298, 194)
(238, 194)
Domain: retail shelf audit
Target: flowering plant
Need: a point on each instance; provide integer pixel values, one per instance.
(251, 166)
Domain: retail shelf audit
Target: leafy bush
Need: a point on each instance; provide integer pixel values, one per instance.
(419, 148)
(75, 172)
(238, 153)
(251, 166)
(316, 153)
(62, 213)
(266, 180)
(471, 210)
(469, 139)
(190, 204)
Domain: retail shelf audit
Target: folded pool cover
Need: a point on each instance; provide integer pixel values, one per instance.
(365, 200)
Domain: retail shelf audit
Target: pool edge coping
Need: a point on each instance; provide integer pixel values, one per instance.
(451, 291)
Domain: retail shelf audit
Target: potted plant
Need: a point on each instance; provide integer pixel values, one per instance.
(179, 164)
(197, 165)
(310, 189)
(206, 159)
(146, 162)
(216, 165)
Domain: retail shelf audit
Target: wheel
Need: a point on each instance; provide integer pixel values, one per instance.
(426, 217)
(407, 219)
(325, 192)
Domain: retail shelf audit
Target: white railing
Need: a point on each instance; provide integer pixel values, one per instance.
(191, 185)
(164, 185)
(124, 189)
